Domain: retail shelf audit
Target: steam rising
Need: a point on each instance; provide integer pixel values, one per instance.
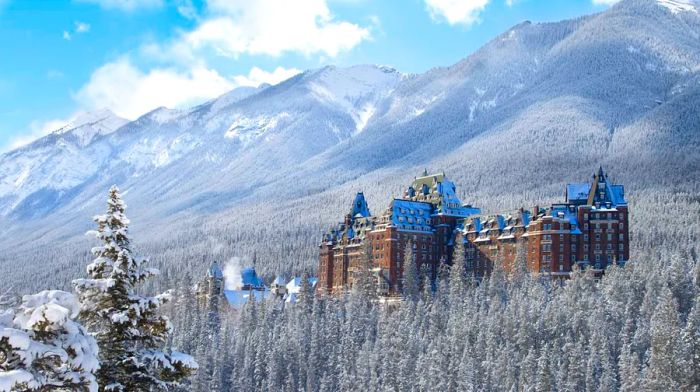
(232, 274)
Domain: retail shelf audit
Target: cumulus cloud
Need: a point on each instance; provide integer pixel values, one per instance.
(274, 27)
(464, 12)
(126, 5)
(257, 76)
(605, 2)
(130, 92)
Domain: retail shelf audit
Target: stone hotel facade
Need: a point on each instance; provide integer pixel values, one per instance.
(589, 229)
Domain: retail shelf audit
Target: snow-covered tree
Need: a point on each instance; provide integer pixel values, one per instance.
(411, 277)
(128, 328)
(43, 348)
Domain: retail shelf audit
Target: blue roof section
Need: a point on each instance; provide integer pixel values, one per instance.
(576, 193)
(411, 215)
(215, 271)
(618, 195)
(568, 215)
(296, 282)
(614, 194)
(238, 298)
(359, 206)
(250, 277)
(450, 203)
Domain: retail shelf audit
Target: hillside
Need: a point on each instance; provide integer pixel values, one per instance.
(538, 106)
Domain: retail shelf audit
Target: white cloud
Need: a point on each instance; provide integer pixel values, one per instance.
(130, 92)
(257, 76)
(36, 130)
(274, 27)
(456, 11)
(81, 27)
(126, 5)
(605, 2)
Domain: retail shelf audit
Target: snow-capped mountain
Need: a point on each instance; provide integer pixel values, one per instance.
(536, 106)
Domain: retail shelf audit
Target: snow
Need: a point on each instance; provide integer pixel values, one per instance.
(247, 129)
(184, 359)
(677, 6)
(9, 379)
(363, 116)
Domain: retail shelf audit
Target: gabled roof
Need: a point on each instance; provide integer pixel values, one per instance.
(577, 193)
(359, 206)
(250, 277)
(215, 271)
(590, 194)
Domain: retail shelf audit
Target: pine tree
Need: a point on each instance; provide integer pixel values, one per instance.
(127, 326)
(457, 286)
(43, 348)
(660, 375)
(411, 280)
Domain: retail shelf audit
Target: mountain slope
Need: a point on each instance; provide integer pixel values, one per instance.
(540, 105)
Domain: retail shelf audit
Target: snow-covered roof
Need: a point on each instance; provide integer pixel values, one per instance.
(215, 271)
(359, 206)
(441, 193)
(577, 193)
(411, 215)
(294, 285)
(237, 298)
(250, 277)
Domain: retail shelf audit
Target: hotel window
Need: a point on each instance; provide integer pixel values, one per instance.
(609, 247)
(585, 226)
(573, 247)
(585, 237)
(561, 267)
(546, 237)
(597, 236)
(585, 216)
(621, 247)
(546, 247)
(597, 259)
(609, 236)
(547, 226)
(561, 247)
(573, 258)
(585, 258)
(621, 237)
(597, 246)
(622, 225)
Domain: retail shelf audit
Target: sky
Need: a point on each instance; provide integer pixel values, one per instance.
(61, 58)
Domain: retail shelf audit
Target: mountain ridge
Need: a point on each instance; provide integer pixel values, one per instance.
(539, 105)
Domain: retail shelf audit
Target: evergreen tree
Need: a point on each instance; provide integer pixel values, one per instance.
(127, 326)
(43, 348)
(662, 371)
(411, 278)
(458, 274)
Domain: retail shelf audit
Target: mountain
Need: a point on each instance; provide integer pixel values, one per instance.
(265, 170)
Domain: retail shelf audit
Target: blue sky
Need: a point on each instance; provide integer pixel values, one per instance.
(59, 58)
